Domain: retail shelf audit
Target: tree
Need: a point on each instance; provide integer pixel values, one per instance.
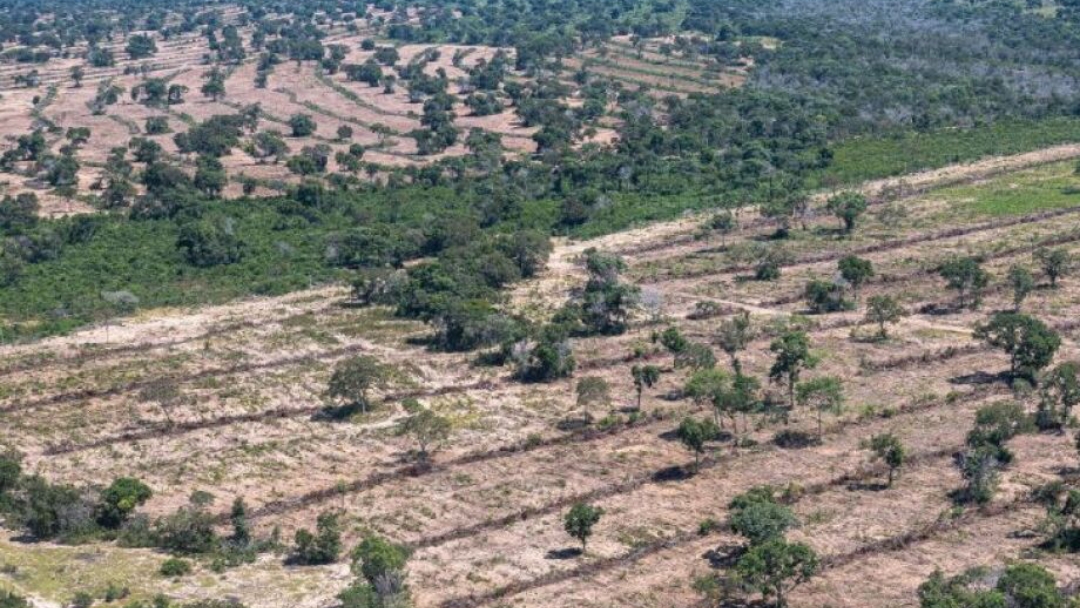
(214, 87)
(119, 500)
(825, 297)
(375, 558)
(645, 376)
(758, 516)
(673, 340)
(353, 379)
(888, 449)
(1021, 585)
(140, 46)
(579, 522)
(1022, 283)
(344, 133)
(723, 223)
(427, 428)
(967, 277)
(77, 75)
(1060, 392)
(847, 207)
(592, 390)
(856, 272)
(322, 547)
(302, 125)
(1030, 344)
(776, 567)
(210, 242)
(792, 357)
(882, 310)
(734, 335)
(1055, 263)
(825, 394)
(741, 396)
(694, 434)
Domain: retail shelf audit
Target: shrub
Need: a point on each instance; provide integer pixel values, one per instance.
(175, 567)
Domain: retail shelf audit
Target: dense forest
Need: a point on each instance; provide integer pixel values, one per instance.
(824, 78)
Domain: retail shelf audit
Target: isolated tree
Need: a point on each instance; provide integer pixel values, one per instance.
(793, 356)
(883, 310)
(1055, 263)
(1059, 394)
(1030, 344)
(344, 133)
(302, 125)
(77, 75)
(175, 94)
(645, 376)
(592, 391)
(579, 522)
(734, 335)
(1022, 283)
(847, 207)
(825, 394)
(740, 397)
(427, 428)
(968, 278)
(776, 567)
(353, 379)
(214, 87)
(888, 449)
(694, 434)
(673, 340)
(723, 223)
(856, 272)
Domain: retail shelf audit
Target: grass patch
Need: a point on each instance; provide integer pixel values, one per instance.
(865, 158)
(1045, 188)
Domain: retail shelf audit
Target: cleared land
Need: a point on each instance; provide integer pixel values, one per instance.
(484, 519)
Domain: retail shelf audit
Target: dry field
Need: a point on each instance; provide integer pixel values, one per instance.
(485, 519)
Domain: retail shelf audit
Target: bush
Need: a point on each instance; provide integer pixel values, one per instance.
(175, 567)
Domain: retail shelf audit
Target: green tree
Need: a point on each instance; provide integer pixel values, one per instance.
(322, 547)
(967, 277)
(1030, 344)
(847, 207)
(353, 379)
(1055, 263)
(734, 335)
(758, 516)
(856, 272)
(120, 499)
(793, 356)
(1021, 282)
(302, 125)
(881, 311)
(776, 567)
(825, 394)
(645, 376)
(427, 428)
(1059, 392)
(580, 520)
(888, 449)
(694, 434)
(592, 391)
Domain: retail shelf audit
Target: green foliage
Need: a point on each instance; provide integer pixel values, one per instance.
(967, 277)
(354, 378)
(883, 310)
(694, 434)
(120, 499)
(175, 567)
(580, 520)
(322, 547)
(758, 516)
(1022, 283)
(776, 567)
(1030, 344)
(888, 449)
(1021, 585)
(847, 207)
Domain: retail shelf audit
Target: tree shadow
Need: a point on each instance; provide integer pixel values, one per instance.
(671, 474)
(724, 556)
(868, 486)
(561, 554)
(979, 378)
